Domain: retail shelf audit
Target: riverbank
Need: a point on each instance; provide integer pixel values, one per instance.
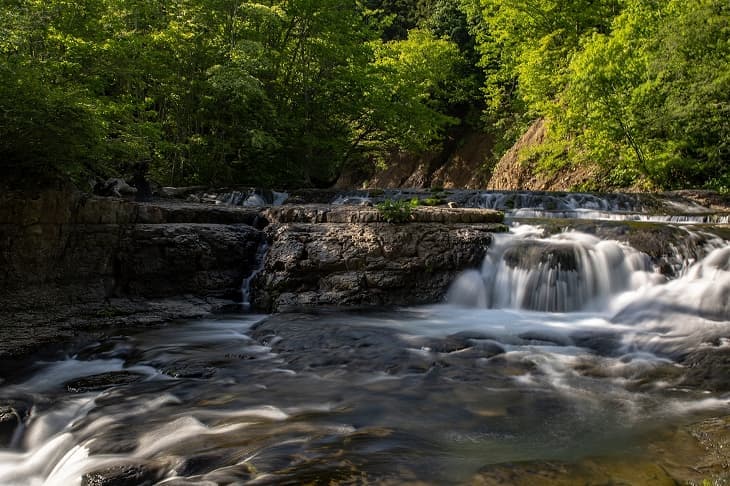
(75, 265)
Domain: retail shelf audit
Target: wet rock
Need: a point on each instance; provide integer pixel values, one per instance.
(449, 344)
(587, 472)
(533, 254)
(202, 463)
(708, 369)
(464, 344)
(13, 413)
(364, 214)
(114, 187)
(189, 369)
(602, 343)
(487, 347)
(545, 338)
(112, 348)
(102, 381)
(340, 344)
(181, 192)
(375, 264)
(71, 262)
(345, 343)
(668, 246)
(123, 475)
(175, 259)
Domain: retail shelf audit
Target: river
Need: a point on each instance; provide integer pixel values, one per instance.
(561, 348)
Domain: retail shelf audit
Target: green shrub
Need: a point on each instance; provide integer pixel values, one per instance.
(398, 211)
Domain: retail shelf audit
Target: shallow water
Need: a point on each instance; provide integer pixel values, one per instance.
(429, 394)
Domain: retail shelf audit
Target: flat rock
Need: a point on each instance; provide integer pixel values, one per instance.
(361, 214)
(366, 264)
(102, 381)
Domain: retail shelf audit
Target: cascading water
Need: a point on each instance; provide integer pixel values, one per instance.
(564, 272)
(259, 260)
(558, 205)
(561, 347)
(514, 200)
(247, 198)
(607, 207)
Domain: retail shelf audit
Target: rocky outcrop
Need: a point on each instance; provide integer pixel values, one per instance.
(347, 257)
(515, 171)
(459, 164)
(467, 166)
(72, 263)
(463, 163)
(65, 248)
(364, 215)
(164, 260)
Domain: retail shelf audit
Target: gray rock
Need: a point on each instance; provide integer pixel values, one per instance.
(13, 413)
(102, 381)
(366, 264)
(123, 475)
(72, 263)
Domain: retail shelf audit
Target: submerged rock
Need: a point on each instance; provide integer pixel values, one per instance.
(102, 381)
(123, 475)
(529, 255)
(13, 414)
(708, 368)
(586, 472)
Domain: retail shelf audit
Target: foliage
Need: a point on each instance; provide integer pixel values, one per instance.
(396, 211)
(213, 91)
(638, 87)
(291, 92)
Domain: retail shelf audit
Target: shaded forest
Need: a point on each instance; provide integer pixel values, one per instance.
(293, 92)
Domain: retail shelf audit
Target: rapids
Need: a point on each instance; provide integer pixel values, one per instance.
(561, 347)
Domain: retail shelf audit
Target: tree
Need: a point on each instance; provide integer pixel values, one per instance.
(650, 99)
(401, 108)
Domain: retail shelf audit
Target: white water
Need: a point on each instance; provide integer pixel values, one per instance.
(590, 214)
(582, 321)
(547, 205)
(251, 198)
(613, 207)
(565, 272)
(614, 286)
(511, 200)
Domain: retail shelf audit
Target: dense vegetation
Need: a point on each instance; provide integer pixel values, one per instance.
(291, 92)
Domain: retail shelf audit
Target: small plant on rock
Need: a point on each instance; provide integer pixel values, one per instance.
(398, 211)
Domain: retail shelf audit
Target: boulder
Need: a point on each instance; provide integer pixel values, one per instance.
(102, 381)
(366, 264)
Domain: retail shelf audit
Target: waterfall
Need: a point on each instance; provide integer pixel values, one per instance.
(603, 207)
(259, 262)
(573, 271)
(564, 272)
(249, 198)
(545, 201)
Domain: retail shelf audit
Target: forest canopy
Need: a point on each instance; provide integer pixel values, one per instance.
(293, 92)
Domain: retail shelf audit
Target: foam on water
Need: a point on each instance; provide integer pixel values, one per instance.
(558, 347)
(564, 272)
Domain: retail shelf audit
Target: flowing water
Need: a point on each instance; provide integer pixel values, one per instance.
(561, 347)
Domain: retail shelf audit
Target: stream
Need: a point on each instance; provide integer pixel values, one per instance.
(562, 347)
